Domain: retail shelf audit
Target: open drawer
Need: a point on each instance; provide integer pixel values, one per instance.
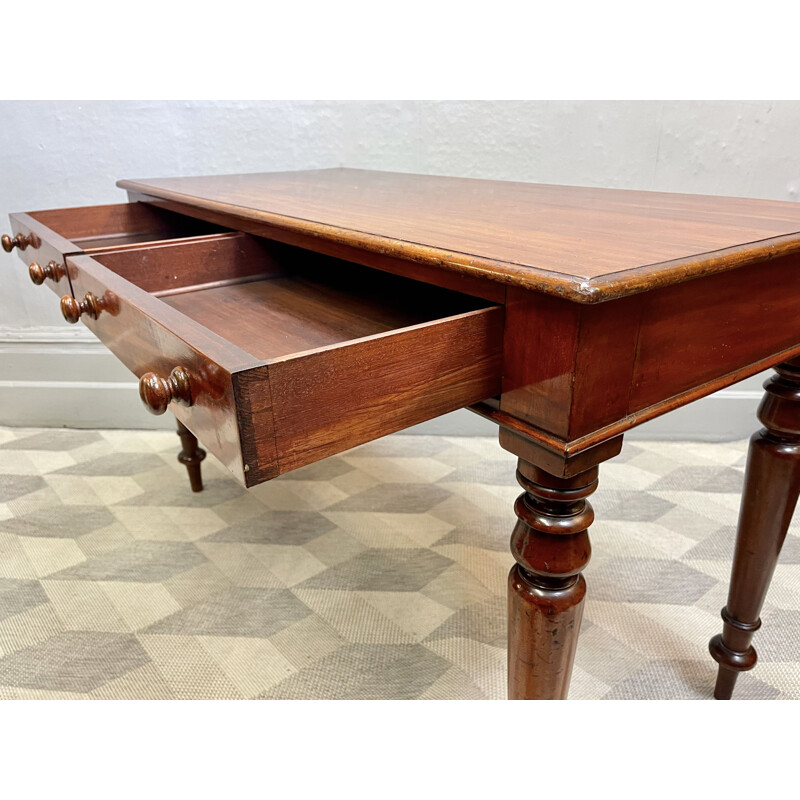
(276, 357)
(44, 238)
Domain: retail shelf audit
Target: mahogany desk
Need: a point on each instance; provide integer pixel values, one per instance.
(286, 317)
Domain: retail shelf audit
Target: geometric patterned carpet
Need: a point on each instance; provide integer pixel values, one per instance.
(376, 574)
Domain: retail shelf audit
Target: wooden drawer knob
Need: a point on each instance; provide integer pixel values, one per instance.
(19, 240)
(73, 309)
(157, 392)
(52, 270)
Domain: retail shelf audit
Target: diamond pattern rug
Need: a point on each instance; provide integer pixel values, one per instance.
(379, 573)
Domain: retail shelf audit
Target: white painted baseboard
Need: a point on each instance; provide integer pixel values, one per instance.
(67, 378)
(64, 377)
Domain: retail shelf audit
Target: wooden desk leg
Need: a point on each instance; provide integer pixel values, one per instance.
(191, 455)
(772, 485)
(545, 588)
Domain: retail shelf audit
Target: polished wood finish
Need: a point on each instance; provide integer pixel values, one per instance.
(576, 375)
(50, 236)
(568, 365)
(412, 265)
(289, 358)
(52, 271)
(772, 486)
(311, 307)
(368, 302)
(191, 456)
(584, 244)
(20, 240)
(72, 310)
(157, 393)
(546, 589)
(149, 336)
(384, 383)
(695, 332)
(193, 264)
(517, 440)
(95, 228)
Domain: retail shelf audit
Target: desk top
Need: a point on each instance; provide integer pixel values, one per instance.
(584, 244)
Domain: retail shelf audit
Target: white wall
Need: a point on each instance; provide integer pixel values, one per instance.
(63, 153)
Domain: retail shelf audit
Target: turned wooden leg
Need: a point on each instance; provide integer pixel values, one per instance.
(191, 455)
(771, 488)
(550, 544)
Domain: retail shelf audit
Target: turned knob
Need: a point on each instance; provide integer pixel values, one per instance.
(19, 240)
(157, 392)
(52, 270)
(73, 309)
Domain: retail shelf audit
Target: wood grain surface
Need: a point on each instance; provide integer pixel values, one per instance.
(294, 360)
(771, 491)
(98, 227)
(182, 265)
(59, 232)
(149, 336)
(546, 589)
(586, 244)
(579, 374)
(334, 398)
(308, 308)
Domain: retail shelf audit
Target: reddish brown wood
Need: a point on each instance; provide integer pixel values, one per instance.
(772, 486)
(91, 228)
(157, 392)
(697, 331)
(72, 310)
(149, 336)
(52, 271)
(48, 237)
(567, 366)
(286, 370)
(335, 398)
(256, 419)
(619, 306)
(309, 309)
(523, 446)
(187, 265)
(584, 244)
(191, 456)
(576, 375)
(412, 265)
(9, 243)
(546, 590)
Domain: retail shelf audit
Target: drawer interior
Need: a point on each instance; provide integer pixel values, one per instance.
(273, 300)
(291, 356)
(93, 228)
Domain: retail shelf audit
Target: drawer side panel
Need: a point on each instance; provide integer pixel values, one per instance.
(331, 400)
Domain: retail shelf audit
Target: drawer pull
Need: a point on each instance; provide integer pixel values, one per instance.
(73, 309)
(52, 270)
(157, 392)
(19, 240)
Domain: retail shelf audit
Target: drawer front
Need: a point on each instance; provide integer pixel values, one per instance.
(47, 237)
(43, 253)
(149, 337)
